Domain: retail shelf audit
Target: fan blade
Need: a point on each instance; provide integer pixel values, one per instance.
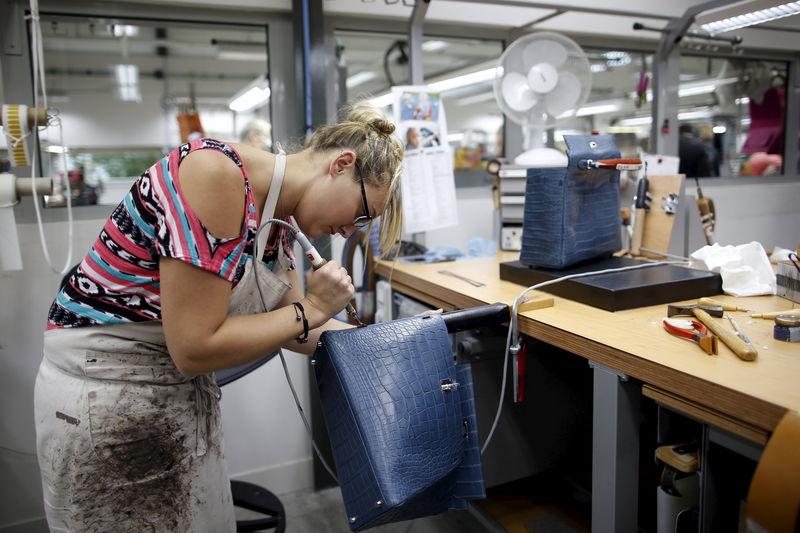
(544, 51)
(516, 93)
(565, 95)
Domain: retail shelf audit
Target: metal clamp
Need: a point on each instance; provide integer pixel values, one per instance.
(448, 385)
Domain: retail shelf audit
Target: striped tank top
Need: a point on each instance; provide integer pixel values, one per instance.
(118, 281)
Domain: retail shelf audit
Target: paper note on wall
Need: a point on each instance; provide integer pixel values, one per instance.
(427, 183)
(659, 165)
(429, 193)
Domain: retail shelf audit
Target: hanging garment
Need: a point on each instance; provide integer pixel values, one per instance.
(766, 123)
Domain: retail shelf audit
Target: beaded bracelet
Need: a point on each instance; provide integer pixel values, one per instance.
(301, 315)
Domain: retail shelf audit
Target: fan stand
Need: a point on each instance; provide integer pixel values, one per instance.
(536, 155)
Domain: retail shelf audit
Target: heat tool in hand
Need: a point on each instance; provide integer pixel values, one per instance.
(627, 163)
(317, 261)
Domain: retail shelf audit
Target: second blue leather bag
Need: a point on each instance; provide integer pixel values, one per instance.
(572, 214)
(401, 420)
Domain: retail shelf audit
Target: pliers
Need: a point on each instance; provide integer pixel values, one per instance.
(694, 331)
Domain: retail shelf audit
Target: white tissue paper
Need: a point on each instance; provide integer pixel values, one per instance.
(745, 269)
(779, 254)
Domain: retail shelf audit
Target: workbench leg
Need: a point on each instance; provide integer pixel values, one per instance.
(615, 451)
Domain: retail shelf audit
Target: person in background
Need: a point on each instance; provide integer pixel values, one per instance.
(710, 142)
(257, 133)
(694, 162)
(126, 406)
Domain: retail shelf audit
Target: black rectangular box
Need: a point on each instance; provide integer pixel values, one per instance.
(615, 291)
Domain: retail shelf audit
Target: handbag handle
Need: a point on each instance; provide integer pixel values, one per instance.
(484, 315)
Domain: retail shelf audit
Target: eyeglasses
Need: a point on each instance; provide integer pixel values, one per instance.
(366, 218)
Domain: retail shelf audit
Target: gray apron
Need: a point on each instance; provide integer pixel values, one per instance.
(125, 442)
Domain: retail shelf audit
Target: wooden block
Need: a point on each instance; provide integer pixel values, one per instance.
(658, 223)
(535, 302)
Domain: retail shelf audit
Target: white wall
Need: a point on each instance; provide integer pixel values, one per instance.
(26, 297)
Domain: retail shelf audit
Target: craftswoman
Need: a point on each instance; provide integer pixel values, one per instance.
(127, 410)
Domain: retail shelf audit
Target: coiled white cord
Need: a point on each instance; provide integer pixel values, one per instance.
(256, 261)
(513, 333)
(39, 79)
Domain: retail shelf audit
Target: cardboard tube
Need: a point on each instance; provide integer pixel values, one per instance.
(25, 186)
(37, 114)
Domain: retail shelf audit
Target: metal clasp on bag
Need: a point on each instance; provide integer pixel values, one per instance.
(448, 385)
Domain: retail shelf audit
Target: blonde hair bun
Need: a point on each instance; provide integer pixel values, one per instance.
(367, 113)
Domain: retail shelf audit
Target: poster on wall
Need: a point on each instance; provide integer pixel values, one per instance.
(427, 184)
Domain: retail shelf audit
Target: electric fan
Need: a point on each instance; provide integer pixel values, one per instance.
(541, 79)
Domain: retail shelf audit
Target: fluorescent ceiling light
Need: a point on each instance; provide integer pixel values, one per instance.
(691, 115)
(698, 89)
(719, 129)
(462, 81)
(434, 46)
(127, 80)
(125, 30)
(597, 109)
(383, 100)
(637, 121)
(745, 14)
(242, 55)
(456, 82)
(253, 95)
(360, 78)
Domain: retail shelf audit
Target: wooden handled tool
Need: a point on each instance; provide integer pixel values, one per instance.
(771, 315)
(739, 347)
(726, 307)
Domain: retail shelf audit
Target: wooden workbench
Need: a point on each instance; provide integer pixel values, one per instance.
(746, 399)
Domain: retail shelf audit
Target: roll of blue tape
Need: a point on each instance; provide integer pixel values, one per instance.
(787, 333)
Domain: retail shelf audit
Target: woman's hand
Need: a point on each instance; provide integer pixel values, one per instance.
(329, 289)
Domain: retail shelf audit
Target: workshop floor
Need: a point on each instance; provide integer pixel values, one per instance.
(323, 512)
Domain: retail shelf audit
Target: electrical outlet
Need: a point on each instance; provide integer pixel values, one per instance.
(511, 238)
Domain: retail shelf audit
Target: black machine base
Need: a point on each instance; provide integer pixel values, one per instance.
(619, 290)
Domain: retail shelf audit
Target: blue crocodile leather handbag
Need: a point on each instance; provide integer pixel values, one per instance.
(572, 214)
(401, 420)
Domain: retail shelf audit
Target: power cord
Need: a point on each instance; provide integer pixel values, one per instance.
(296, 231)
(513, 333)
(37, 57)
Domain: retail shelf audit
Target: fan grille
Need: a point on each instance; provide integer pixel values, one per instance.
(542, 78)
